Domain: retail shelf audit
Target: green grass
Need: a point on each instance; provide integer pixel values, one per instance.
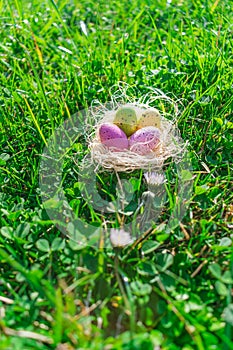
(172, 291)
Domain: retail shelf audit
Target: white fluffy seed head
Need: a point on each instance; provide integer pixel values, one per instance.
(120, 238)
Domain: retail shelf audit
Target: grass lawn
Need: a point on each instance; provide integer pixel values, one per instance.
(169, 290)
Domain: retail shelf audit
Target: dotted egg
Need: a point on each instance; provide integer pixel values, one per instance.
(112, 136)
(144, 140)
(150, 117)
(126, 119)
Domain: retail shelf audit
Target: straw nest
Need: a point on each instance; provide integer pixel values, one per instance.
(170, 148)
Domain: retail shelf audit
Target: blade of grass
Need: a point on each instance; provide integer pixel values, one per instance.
(35, 122)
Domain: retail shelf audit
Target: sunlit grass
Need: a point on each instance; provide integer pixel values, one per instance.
(172, 291)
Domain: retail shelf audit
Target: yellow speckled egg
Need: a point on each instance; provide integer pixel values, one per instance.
(126, 119)
(150, 117)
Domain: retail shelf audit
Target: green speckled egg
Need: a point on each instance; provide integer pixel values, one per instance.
(150, 117)
(126, 119)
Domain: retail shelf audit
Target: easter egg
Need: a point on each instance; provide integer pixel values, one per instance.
(112, 136)
(144, 140)
(150, 117)
(126, 119)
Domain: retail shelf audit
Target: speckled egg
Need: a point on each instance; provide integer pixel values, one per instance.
(150, 117)
(126, 119)
(112, 136)
(144, 140)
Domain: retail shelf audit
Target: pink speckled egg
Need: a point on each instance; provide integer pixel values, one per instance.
(112, 136)
(144, 140)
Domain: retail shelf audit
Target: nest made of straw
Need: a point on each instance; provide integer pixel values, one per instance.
(170, 146)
